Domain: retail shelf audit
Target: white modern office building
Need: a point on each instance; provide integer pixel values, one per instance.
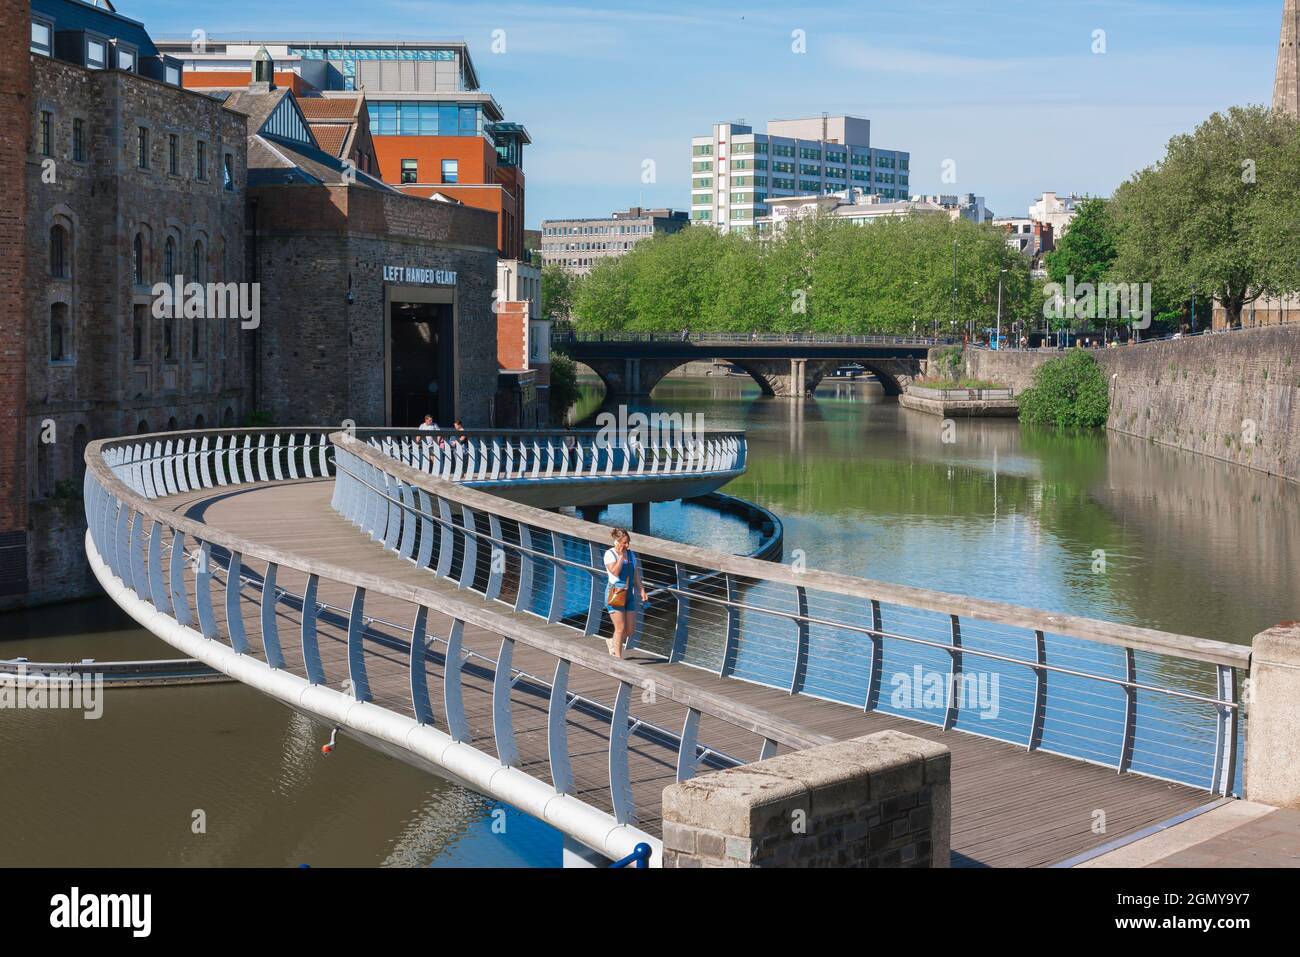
(735, 171)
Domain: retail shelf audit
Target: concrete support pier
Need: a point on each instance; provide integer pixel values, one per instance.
(883, 800)
(590, 513)
(641, 518)
(1273, 722)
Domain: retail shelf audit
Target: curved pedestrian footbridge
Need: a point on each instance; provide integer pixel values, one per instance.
(360, 579)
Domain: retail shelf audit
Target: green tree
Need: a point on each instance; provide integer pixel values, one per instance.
(1216, 214)
(564, 386)
(1068, 392)
(558, 290)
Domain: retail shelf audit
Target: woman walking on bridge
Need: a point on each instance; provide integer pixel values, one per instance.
(625, 591)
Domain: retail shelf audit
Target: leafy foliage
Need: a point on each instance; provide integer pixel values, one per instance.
(816, 275)
(1068, 392)
(564, 386)
(1217, 214)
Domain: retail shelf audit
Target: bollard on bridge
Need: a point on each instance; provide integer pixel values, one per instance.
(1273, 718)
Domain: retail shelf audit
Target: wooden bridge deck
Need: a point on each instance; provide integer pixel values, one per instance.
(1010, 807)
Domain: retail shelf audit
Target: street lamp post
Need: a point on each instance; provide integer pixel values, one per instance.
(998, 333)
(954, 287)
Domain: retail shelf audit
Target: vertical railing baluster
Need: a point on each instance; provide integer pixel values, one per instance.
(276, 449)
(203, 592)
(356, 646)
(800, 674)
(503, 728)
(731, 643)
(620, 783)
(877, 657)
(139, 577)
(525, 568)
(157, 584)
(687, 760)
(681, 620)
(427, 529)
(954, 676)
(310, 645)
(453, 702)
(1130, 712)
(497, 563)
(596, 600)
(557, 730)
(555, 611)
(393, 528)
(123, 544)
(420, 706)
(1039, 715)
(270, 627)
(446, 539)
(234, 607)
(1225, 745)
(409, 520)
(180, 604)
(469, 552)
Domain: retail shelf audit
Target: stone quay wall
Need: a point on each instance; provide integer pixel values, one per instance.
(1232, 396)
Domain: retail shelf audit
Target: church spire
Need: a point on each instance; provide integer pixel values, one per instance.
(1286, 88)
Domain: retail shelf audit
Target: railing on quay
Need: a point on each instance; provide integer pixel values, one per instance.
(667, 450)
(180, 575)
(1128, 698)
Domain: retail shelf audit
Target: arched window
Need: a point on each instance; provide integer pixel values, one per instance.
(142, 427)
(171, 424)
(228, 418)
(59, 249)
(169, 260)
(59, 344)
(198, 272)
(138, 266)
(199, 421)
(196, 338)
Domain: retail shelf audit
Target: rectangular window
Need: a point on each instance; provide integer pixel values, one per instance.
(228, 172)
(46, 122)
(41, 35)
(96, 55)
(138, 319)
(410, 171)
(142, 147)
(173, 154)
(79, 140)
(702, 151)
(200, 160)
(450, 171)
(126, 60)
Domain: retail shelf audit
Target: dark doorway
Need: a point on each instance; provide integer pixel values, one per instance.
(423, 357)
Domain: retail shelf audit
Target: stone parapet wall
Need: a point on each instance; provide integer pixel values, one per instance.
(883, 800)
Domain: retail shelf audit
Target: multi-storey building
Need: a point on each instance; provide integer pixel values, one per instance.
(1055, 211)
(433, 130)
(735, 171)
(338, 297)
(129, 181)
(578, 244)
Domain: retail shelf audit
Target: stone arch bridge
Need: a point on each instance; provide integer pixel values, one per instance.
(786, 366)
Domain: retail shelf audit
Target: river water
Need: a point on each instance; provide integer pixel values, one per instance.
(1099, 525)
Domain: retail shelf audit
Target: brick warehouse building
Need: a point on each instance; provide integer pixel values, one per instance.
(359, 284)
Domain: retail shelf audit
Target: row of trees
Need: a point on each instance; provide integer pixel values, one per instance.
(817, 275)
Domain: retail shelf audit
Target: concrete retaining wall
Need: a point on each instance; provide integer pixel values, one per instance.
(1233, 396)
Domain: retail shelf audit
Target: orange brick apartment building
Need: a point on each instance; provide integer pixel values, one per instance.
(432, 129)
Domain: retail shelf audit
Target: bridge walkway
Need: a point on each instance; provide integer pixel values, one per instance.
(1010, 808)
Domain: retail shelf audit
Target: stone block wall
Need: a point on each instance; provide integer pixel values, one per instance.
(883, 800)
(15, 139)
(1232, 396)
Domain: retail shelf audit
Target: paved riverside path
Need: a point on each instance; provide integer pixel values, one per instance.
(1010, 808)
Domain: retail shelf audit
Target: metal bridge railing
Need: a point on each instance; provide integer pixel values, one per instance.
(562, 336)
(476, 456)
(238, 592)
(1128, 698)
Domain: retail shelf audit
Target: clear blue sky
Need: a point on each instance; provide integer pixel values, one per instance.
(1008, 89)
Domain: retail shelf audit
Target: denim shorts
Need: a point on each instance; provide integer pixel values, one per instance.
(633, 601)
